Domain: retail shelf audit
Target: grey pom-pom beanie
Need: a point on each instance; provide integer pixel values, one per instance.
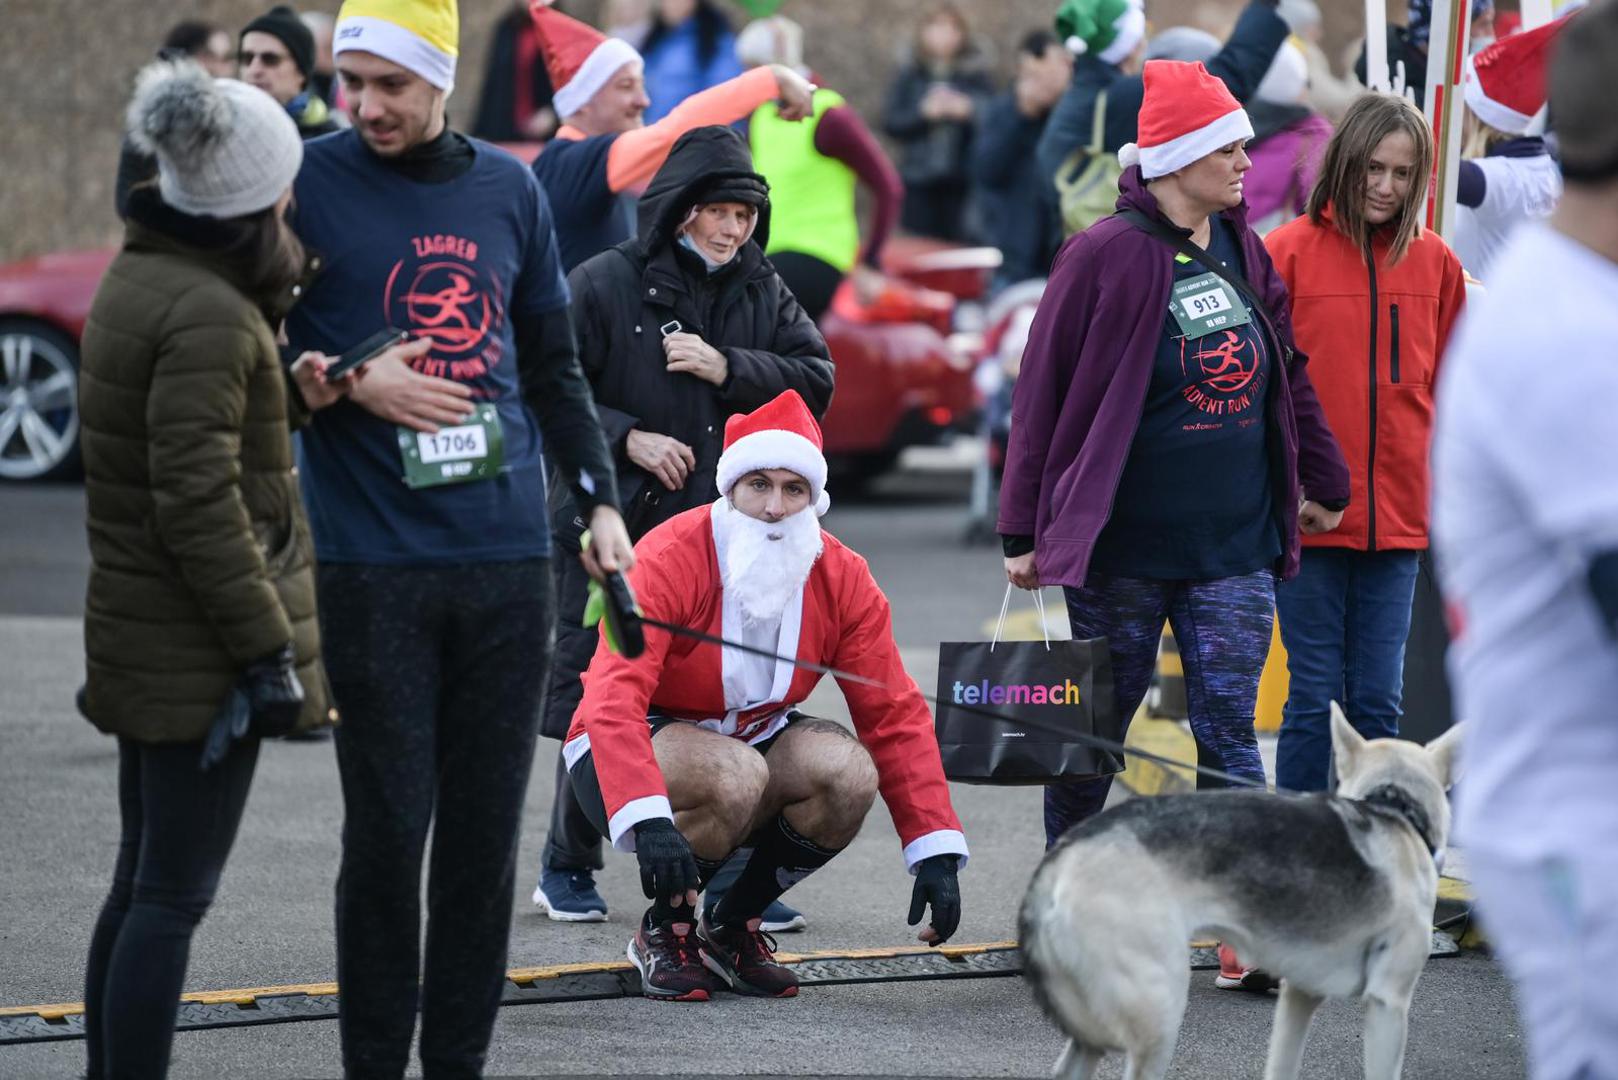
(224, 149)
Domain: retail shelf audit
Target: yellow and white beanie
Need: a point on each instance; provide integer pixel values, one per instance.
(421, 35)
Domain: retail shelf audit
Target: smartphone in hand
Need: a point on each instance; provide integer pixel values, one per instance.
(366, 351)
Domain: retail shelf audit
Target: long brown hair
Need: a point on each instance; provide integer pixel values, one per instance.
(259, 251)
(268, 256)
(1341, 184)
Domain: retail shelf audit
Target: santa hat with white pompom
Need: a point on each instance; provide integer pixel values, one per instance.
(781, 434)
(1187, 114)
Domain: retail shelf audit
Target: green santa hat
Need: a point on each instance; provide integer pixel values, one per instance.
(1108, 28)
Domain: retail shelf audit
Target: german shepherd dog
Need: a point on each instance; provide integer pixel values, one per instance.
(1333, 894)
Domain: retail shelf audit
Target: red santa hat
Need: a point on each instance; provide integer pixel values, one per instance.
(579, 58)
(1505, 84)
(781, 434)
(1187, 114)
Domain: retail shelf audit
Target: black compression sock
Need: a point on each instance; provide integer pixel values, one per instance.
(781, 858)
(663, 912)
(706, 869)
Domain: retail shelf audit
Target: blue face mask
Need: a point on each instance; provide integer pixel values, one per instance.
(707, 260)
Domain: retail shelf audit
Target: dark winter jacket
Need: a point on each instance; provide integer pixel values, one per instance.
(623, 300)
(201, 560)
(934, 152)
(1083, 385)
(1023, 224)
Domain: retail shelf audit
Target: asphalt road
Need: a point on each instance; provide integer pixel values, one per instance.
(271, 923)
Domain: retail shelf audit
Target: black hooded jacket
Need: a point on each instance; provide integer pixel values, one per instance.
(624, 299)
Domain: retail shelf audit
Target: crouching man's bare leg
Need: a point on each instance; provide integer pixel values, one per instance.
(717, 787)
(821, 783)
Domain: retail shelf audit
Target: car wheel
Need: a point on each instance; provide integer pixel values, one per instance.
(39, 402)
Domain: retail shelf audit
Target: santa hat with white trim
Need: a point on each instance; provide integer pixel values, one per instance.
(579, 58)
(1186, 115)
(781, 434)
(1110, 29)
(422, 36)
(1506, 83)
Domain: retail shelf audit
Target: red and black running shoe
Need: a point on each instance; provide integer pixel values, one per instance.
(669, 960)
(745, 959)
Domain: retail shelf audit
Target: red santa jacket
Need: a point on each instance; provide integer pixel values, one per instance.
(844, 622)
(1374, 336)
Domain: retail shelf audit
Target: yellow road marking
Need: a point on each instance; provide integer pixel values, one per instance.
(520, 976)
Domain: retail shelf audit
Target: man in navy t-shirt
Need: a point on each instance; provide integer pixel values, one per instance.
(426, 491)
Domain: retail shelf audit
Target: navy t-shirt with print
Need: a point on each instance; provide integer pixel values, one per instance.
(1194, 501)
(590, 216)
(456, 262)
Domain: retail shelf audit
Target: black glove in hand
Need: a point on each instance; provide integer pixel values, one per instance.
(229, 724)
(936, 886)
(266, 700)
(274, 694)
(668, 870)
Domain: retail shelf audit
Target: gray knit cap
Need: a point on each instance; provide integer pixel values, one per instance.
(224, 149)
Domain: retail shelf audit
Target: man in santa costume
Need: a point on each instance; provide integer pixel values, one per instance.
(604, 153)
(593, 172)
(691, 751)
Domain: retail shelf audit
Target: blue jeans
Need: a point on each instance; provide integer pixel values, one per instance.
(1223, 630)
(1344, 621)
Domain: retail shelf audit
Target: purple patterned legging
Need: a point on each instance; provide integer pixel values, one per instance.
(1223, 630)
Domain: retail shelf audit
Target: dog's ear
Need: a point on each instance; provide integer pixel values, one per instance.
(1346, 743)
(1445, 751)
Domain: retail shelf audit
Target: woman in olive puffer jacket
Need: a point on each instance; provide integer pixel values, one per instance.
(200, 615)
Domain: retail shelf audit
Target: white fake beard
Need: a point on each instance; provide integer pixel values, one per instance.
(767, 562)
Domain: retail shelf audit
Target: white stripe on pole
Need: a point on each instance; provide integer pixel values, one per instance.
(1376, 45)
(1446, 57)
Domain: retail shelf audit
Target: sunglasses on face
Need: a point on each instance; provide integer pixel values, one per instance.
(268, 59)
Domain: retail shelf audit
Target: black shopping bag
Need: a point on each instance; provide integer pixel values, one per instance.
(1009, 711)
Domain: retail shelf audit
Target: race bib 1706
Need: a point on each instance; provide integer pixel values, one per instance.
(474, 450)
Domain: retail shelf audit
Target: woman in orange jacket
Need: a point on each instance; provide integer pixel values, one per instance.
(1374, 297)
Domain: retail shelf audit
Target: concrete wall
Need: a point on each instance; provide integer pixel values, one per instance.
(71, 63)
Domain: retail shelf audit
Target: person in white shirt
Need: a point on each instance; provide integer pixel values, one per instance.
(1526, 523)
(1509, 176)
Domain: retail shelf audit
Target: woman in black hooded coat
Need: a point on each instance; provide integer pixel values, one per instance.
(673, 343)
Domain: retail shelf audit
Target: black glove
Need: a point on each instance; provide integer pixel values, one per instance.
(667, 867)
(936, 886)
(266, 700)
(229, 724)
(274, 694)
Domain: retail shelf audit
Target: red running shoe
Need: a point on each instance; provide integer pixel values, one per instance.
(745, 959)
(1233, 976)
(669, 960)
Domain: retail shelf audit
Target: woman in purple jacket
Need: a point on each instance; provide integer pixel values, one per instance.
(1166, 445)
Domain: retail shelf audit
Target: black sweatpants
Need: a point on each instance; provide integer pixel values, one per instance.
(177, 827)
(437, 674)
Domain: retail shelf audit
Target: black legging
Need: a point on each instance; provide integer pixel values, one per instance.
(813, 281)
(437, 672)
(178, 824)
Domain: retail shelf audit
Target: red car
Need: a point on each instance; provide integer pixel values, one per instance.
(43, 304)
(899, 382)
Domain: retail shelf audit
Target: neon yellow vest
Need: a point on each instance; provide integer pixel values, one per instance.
(811, 195)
